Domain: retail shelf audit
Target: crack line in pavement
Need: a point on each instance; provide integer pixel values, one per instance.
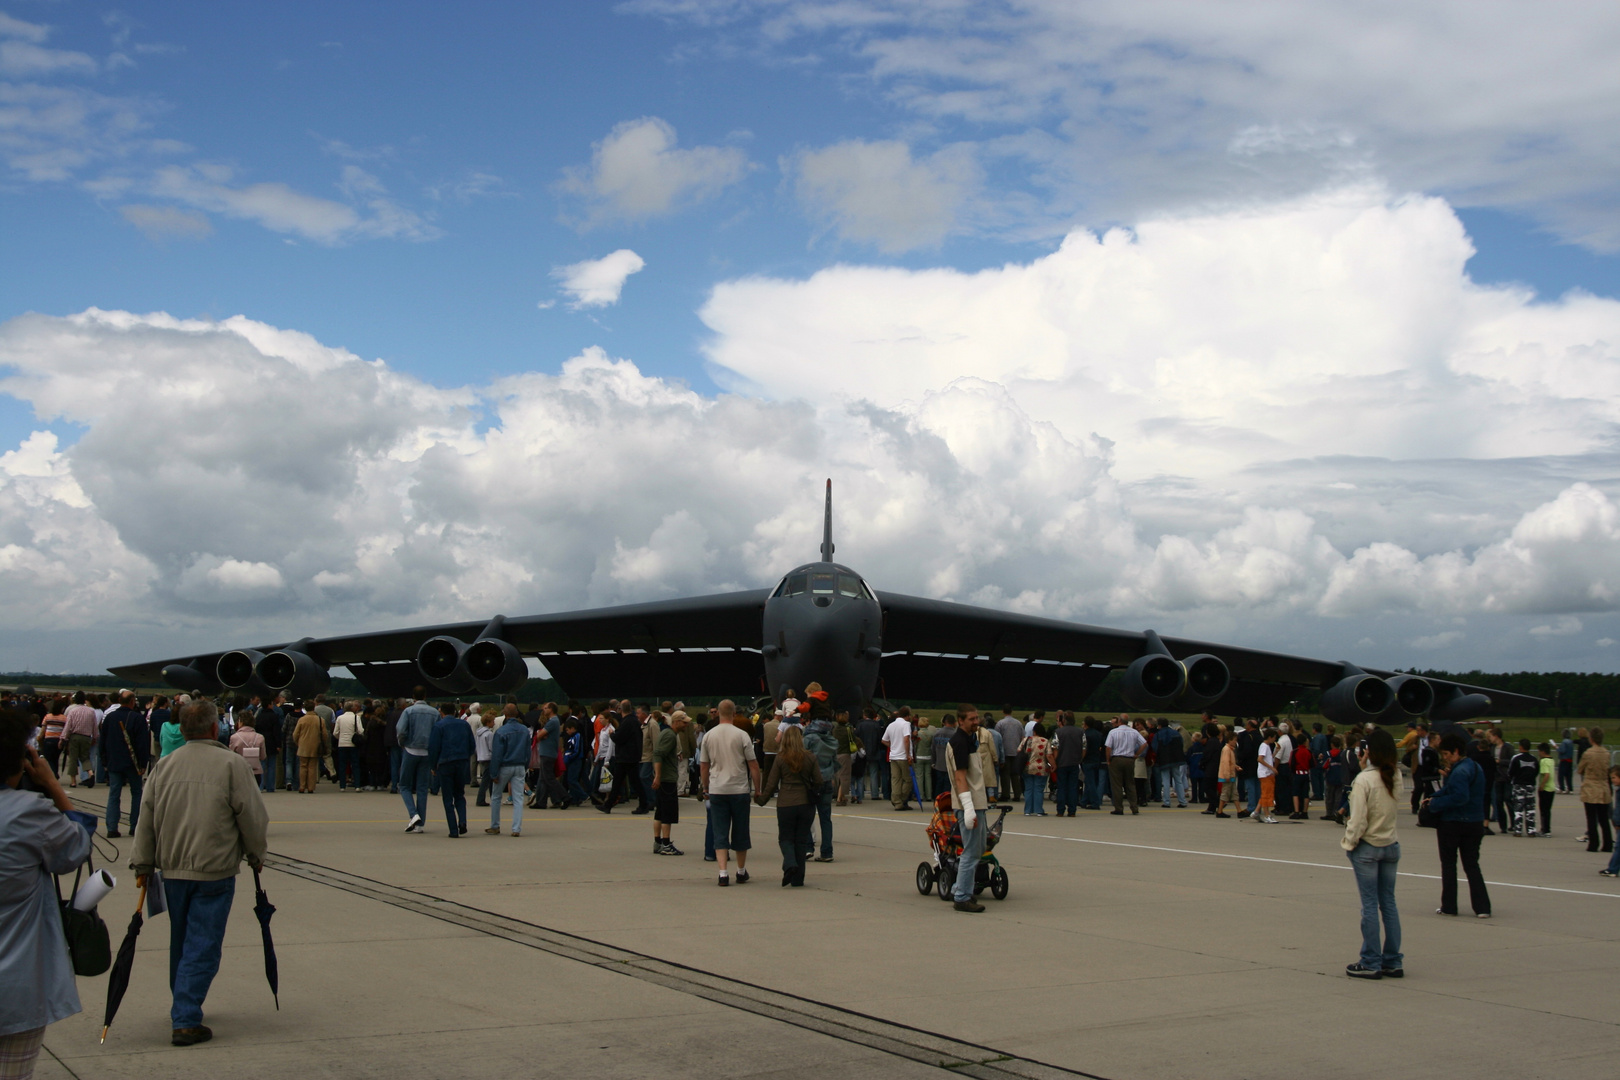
(960, 1057)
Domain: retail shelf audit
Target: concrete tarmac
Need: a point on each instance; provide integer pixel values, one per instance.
(1164, 945)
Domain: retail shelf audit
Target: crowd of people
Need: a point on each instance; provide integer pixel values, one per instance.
(802, 753)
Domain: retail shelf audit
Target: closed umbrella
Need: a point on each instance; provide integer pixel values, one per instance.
(263, 908)
(118, 977)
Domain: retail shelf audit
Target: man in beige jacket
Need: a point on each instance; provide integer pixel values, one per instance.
(201, 816)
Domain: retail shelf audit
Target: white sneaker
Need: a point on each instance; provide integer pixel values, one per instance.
(415, 824)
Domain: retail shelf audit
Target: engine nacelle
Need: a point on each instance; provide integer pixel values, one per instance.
(236, 668)
(1460, 707)
(293, 673)
(1154, 681)
(441, 661)
(496, 667)
(1414, 697)
(1357, 699)
(190, 678)
(1207, 680)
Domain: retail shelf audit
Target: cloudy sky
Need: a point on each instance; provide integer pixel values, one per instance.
(1287, 324)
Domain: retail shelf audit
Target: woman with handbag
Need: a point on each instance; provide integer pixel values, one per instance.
(37, 839)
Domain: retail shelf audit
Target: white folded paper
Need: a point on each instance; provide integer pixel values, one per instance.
(95, 887)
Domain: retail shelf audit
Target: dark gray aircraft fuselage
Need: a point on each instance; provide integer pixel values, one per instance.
(823, 624)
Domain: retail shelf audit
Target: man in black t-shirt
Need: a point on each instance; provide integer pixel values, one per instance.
(1248, 759)
(965, 774)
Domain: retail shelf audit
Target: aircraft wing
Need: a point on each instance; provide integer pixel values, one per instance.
(925, 639)
(717, 625)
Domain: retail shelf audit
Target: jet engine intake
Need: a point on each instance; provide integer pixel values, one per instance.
(235, 669)
(1207, 680)
(441, 660)
(293, 673)
(1154, 681)
(1414, 697)
(495, 666)
(1357, 699)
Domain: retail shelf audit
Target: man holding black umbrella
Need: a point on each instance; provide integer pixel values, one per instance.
(202, 815)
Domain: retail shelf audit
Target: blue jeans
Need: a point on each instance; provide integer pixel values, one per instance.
(1034, 792)
(1251, 784)
(413, 785)
(729, 816)
(267, 780)
(348, 767)
(1375, 879)
(576, 793)
(1068, 787)
(708, 833)
(198, 911)
(453, 776)
(394, 763)
(824, 815)
(973, 848)
(509, 777)
(1173, 781)
(1614, 860)
(116, 779)
(291, 759)
(1096, 785)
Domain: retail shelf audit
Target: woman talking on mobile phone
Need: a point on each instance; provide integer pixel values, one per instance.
(1375, 855)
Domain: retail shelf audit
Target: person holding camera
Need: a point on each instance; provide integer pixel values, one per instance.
(1460, 808)
(1375, 855)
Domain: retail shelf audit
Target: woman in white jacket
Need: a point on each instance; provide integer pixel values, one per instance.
(1375, 855)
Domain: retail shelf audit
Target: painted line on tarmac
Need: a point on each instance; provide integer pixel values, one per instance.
(958, 1056)
(1245, 858)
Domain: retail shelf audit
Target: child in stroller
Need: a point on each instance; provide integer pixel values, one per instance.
(945, 842)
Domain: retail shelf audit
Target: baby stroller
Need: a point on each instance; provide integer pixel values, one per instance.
(945, 840)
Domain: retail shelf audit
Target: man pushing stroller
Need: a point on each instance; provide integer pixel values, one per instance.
(969, 802)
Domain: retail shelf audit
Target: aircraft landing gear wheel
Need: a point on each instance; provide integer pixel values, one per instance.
(925, 878)
(998, 883)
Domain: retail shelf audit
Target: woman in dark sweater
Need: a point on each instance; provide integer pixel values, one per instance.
(796, 779)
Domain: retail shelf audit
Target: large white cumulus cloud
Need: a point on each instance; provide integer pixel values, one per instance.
(1338, 324)
(1303, 429)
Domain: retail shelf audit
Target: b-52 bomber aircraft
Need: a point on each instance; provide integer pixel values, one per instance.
(824, 623)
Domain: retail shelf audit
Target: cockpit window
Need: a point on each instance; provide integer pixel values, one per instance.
(849, 585)
(795, 584)
(821, 584)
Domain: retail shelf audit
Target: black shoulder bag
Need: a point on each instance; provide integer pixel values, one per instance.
(88, 943)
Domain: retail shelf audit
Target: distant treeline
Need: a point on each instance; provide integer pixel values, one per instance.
(1569, 693)
(1586, 694)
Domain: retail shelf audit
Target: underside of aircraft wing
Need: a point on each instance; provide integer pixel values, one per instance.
(938, 644)
(385, 662)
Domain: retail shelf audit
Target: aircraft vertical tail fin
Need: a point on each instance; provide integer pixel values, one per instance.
(826, 530)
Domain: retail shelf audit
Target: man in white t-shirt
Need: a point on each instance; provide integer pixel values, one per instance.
(1268, 779)
(730, 777)
(897, 737)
